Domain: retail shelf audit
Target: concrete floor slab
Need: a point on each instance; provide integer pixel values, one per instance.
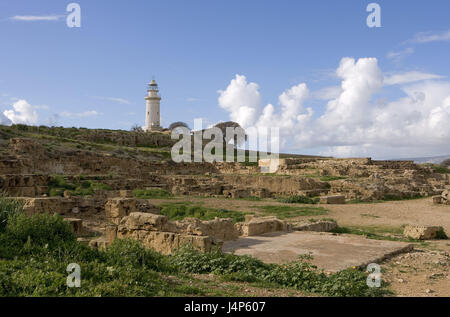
(330, 252)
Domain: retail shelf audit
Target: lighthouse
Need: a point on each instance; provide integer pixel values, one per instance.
(152, 115)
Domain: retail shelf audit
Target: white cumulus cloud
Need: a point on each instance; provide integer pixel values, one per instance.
(353, 122)
(33, 18)
(22, 112)
(242, 100)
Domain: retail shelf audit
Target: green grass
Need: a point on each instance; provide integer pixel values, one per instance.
(181, 210)
(151, 193)
(332, 178)
(438, 168)
(298, 199)
(58, 185)
(369, 216)
(251, 198)
(285, 212)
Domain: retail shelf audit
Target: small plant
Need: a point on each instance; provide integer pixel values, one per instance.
(181, 210)
(441, 169)
(151, 193)
(441, 234)
(298, 199)
(332, 178)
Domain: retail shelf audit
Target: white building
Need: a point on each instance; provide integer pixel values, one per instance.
(153, 101)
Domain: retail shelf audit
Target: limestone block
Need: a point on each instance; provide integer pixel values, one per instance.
(118, 208)
(168, 242)
(111, 233)
(421, 232)
(335, 200)
(143, 221)
(76, 224)
(437, 199)
(261, 225)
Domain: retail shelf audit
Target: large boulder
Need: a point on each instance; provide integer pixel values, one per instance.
(260, 225)
(160, 234)
(318, 226)
(422, 232)
(117, 208)
(337, 199)
(220, 228)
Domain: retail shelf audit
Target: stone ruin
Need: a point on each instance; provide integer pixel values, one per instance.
(27, 166)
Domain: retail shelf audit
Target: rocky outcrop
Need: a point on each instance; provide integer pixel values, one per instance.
(117, 208)
(317, 226)
(422, 232)
(333, 200)
(161, 234)
(260, 225)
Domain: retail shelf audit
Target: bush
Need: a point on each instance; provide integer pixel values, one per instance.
(9, 208)
(298, 199)
(39, 230)
(127, 252)
(441, 234)
(188, 260)
(299, 274)
(151, 193)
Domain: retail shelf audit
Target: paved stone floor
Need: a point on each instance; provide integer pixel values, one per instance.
(331, 252)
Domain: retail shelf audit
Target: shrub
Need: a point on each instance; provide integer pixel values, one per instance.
(127, 252)
(39, 230)
(180, 210)
(299, 274)
(446, 163)
(9, 208)
(442, 169)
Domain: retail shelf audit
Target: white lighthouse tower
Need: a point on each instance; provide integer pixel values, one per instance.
(152, 115)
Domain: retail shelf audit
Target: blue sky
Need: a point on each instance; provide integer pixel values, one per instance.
(95, 76)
